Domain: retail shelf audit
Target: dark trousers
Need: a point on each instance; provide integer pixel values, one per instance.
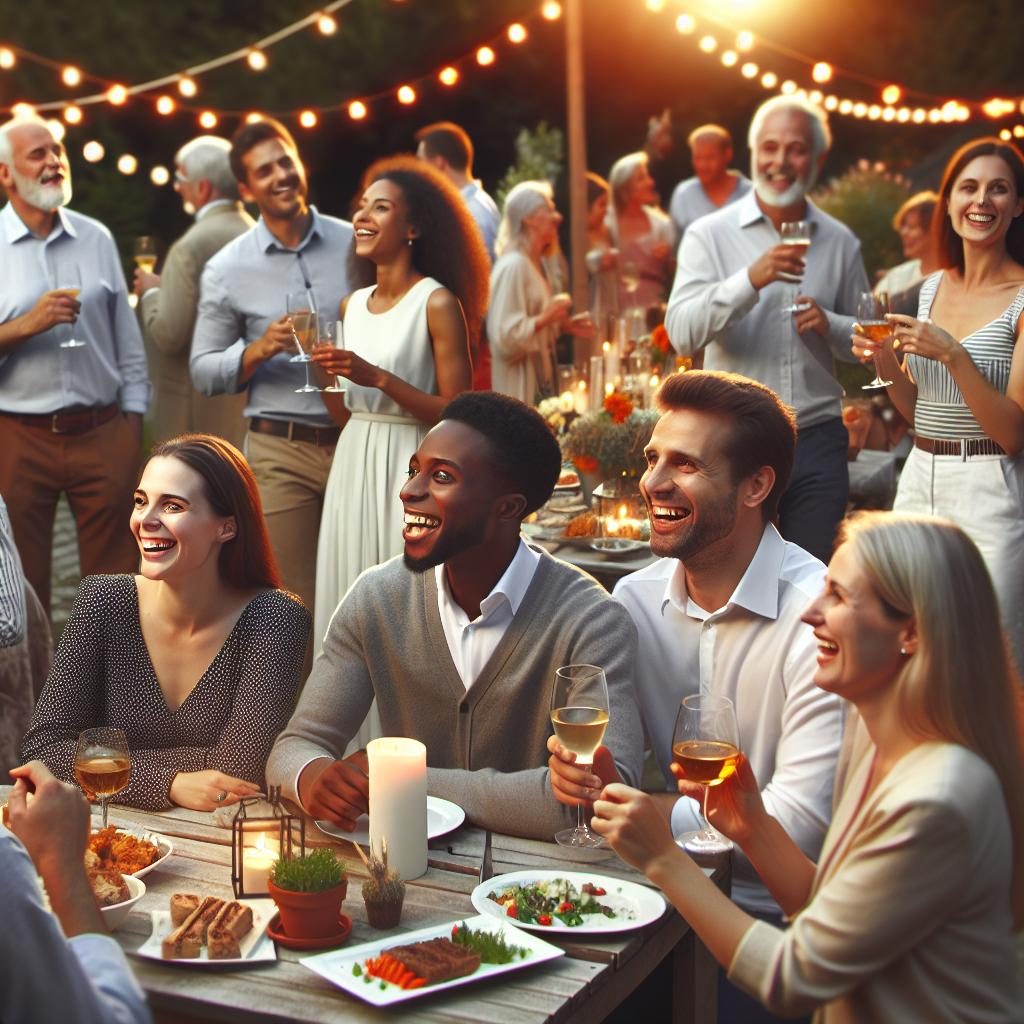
(814, 504)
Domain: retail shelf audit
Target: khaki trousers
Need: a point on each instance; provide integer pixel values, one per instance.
(97, 470)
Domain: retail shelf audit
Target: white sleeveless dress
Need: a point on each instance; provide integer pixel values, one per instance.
(361, 525)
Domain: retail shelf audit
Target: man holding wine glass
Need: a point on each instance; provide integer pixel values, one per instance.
(70, 415)
(762, 297)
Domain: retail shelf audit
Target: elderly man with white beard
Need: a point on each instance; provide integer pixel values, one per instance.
(780, 313)
(70, 417)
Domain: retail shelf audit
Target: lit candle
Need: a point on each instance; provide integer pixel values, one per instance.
(398, 802)
(581, 399)
(257, 863)
(611, 362)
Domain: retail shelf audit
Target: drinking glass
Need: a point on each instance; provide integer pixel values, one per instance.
(706, 744)
(332, 332)
(871, 310)
(579, 714)
(796, 232)
(102, 764)
(631, 280)
(302, 316)
(68, 279)
(144, 253)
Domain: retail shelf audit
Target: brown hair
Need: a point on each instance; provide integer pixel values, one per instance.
(246, 560)
(763, 428)
(448, 141)
(251, 135)
(947, 245)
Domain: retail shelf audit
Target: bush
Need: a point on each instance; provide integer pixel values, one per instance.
(314, 872)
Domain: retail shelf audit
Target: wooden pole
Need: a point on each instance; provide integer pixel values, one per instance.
(576, 114)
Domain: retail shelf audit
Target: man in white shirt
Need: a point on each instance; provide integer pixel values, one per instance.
(713, 184)
(780, 313)
(459, 642)
(59, 966)
(720, 611)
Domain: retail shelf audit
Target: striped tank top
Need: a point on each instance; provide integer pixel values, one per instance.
(941, 412)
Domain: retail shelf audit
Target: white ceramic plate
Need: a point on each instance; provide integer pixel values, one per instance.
(162, 844)
(442, 816)
(635, 905)
(256, 946)
(618, 547)
(337, 967)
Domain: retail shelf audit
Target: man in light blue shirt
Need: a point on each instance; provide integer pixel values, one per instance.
(713, 184)
(70, 417)
(243, 339)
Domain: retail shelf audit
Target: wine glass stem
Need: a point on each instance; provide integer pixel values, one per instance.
(708, 829)
(103, 810)
(306, 368)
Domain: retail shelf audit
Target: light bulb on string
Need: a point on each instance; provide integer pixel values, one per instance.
(93, 151)
(729, 58)
(327, 24)
(448, 76)
(892, 94)
(159, 175)
(357, 110)
(7, 58)
(71, 76)
(516, 33)
(57, 129)
(708, 44)
(127, 164)
(20, 111)
(308, 119)
(117, 95)
(745, 41)
(769, 79)
(208, 119)
(73, 114)
(406, 95)
(256, 59)
(485, 56)
(686, 24)
(165, 105)
(551, 10)
(187, 86)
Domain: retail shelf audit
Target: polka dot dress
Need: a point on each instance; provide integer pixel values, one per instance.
(102, 675)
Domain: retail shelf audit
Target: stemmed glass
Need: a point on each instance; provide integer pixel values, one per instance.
(579, 714)
(302, 317)
(68, 279)
(102, 764)
(144, 253)
(796, 232)
(332, 332)
(706, 744)
(871, 310)
(631, 280)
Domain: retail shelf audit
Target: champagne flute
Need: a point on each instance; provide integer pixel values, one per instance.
(302, 317)
(144, 253)
(579, 714)
(333, 333)
(871, 310)
(68, 278)
(706, 744)
(797, 233)
(102, 764)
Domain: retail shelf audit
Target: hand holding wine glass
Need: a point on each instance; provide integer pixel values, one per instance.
(579, 714)
(303, 319)
(332, 336)
(68, 281)
(796, 233)
(144, 253)
(705, 744)
(103, 765)
(872, 325)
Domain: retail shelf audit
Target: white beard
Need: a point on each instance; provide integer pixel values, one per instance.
(796, 192)
(43, 197)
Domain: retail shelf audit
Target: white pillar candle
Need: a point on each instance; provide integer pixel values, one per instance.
(257, 863)
(398, 802)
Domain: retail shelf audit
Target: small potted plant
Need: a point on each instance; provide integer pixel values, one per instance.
(383, 891)
(309, 891)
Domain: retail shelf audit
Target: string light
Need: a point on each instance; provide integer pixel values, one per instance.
(117, 95)
(22, 110)
(516, 33)
(485, 56)
(165, 105)
(307, 119)
(127, 164)
(71, 76)
(448, 76)
(257, 60)
(73, 114)
(749, 70)
(187, 86)
(685, 24)
(327, 25)
(406, 94)
(208, 120)
(892, 94)
(655, 6)
(822, 72)
(745, 41)
(729, 58)
(708, 44)
(253, 117)
(7, 58)
(551, 10)
(93, 151)
(996, 108)
(788, 87)
(357, 110)
(57, 130)
(159, 175)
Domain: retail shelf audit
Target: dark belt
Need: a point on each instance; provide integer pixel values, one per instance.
(969, 446)
(66, 421)
(322, 437)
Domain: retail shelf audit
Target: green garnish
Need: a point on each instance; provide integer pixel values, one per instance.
(357, 970)
(492, 948)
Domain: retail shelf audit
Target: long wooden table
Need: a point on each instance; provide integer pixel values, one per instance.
(584, 986)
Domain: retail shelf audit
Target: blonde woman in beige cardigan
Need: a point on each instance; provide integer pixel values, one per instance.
(909, 914)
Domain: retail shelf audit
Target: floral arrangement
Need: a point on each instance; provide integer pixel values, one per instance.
(558, 413)
(610, 442)
(659, 349)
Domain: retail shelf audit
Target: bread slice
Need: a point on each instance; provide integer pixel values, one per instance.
(182, 905)
(228, 928)
(185, 942)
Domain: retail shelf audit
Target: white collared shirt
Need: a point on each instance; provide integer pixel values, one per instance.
(472, 643)
(756, 651)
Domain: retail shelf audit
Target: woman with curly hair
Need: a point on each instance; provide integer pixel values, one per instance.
(407, 336)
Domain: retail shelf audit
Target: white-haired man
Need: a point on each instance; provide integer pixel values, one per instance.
(70, 418)
(780, 313)
(169, 301)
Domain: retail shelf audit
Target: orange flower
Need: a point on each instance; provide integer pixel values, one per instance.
(659, 339)
(618, 407)
(586, 463)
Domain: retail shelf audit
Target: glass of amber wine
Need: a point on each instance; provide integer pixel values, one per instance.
(102, 764)
(579, 714)
(144, 253)
(871, 310)
(706, 744)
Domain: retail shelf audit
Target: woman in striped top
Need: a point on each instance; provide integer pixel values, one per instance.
(961, 380)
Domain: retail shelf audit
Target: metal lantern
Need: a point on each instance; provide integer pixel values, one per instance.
(257, 842)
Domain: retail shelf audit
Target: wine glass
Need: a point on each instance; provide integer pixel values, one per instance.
(332, 332)
(631, 279)
(871, 310)
(144, 253)
(102, 764)
(579, 714)
(68, 281)
(796, 232)
(302, 317)
(706, 744)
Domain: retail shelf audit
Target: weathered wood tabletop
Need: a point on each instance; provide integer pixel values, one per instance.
(585, 985)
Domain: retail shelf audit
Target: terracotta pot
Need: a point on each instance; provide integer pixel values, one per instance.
(309, 915)
(383, 913)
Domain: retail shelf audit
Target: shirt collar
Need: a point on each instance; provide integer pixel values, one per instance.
(268, 243)
(14, 227)
(757, 590)
(749, 212)
(510, 589)
(213, 204)
(471, 188)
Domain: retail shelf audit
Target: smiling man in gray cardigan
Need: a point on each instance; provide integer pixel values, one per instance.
(458, 640)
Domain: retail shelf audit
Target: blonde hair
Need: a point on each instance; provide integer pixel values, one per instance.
(522, 200)
(959, 685)
(924, 202)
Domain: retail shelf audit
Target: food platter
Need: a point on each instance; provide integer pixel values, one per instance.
(162, 844)
(443, 816)
(256, 946)
(635, 906)
(337, 967)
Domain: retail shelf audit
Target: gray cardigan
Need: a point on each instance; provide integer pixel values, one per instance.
(485, 745)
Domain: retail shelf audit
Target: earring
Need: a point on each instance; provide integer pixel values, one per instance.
(410, 242)
(904, 651)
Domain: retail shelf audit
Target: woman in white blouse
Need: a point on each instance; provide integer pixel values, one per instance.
(524, 319)
(908, 915)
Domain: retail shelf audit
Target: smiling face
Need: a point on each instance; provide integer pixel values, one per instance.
(275, 180)
(382, 224)
(39, 175)
(174, 525)
(784, 163)
(983, 201)
(691, 494)
(859, 639)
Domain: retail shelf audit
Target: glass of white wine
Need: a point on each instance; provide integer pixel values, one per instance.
(579, 714)
(332, 332)
(871, 310)
(706, 744)
(303, 320)
(103, 765)
(144, 253)
(796, 233)
(68, 281)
